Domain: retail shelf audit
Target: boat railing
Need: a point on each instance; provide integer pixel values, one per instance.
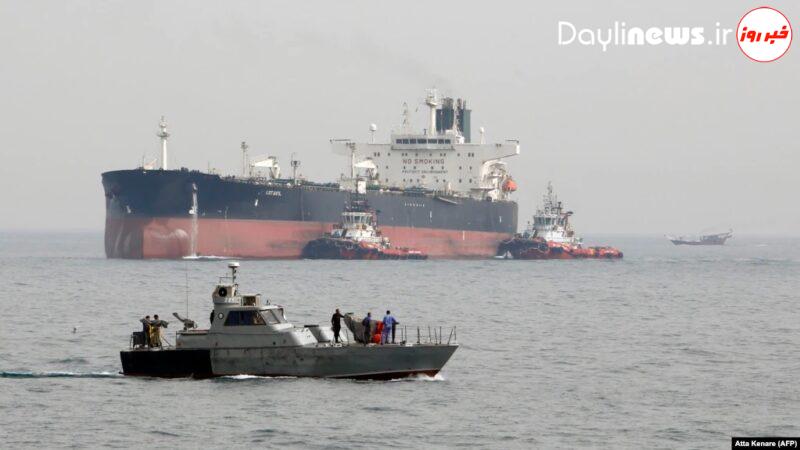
(424, 336)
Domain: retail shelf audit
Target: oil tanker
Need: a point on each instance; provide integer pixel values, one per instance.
(433, 190)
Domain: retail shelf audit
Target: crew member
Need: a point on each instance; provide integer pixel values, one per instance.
(367, 322)
(146, 330)
(155, 330)
(388, 327)
(394, 328)
(336, 325)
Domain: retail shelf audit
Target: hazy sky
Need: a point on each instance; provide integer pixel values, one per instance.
(635, 139)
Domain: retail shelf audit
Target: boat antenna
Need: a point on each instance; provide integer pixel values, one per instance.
(186, 271)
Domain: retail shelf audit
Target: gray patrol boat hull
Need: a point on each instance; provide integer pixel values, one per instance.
(346, 361)
(247, 336)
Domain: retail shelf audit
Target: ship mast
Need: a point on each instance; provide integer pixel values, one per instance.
(244, 148)
(406, 122)
(163, 134)
(295, 165)
(432, 103)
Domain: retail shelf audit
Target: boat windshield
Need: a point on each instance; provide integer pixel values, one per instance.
(274, 316)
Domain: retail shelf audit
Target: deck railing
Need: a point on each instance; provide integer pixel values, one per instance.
(432, 336)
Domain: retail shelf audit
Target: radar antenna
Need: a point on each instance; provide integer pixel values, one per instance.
(233, 265)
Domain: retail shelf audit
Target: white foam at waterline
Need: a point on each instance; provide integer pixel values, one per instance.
(205, 258)
(422, 377)
(253, 377)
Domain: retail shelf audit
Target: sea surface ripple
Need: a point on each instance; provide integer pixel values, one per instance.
(670, 347)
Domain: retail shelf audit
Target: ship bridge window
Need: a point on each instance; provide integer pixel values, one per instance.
(440, 141)
(447, 141)
(240, 318)
(413, 141)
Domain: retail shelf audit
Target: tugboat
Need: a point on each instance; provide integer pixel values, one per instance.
(249, 336)
(705, 239)
(357, 236)
(551, 237)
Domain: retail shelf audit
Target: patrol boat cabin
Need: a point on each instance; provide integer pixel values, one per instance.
(245, 321)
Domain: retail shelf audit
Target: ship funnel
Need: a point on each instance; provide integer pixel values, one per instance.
(454, 115)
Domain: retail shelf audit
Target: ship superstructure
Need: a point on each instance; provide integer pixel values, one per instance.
(440, 158)
(434, 190)
(551, 222)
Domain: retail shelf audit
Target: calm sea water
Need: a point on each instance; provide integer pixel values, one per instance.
(670, 347)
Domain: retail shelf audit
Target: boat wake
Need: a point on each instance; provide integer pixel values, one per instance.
(252, 377)
(59, 375)
(422, 377)
(205, 258)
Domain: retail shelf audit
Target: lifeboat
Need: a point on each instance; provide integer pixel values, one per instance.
(509, 185)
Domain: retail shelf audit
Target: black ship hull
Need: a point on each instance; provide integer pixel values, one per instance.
(151, 214)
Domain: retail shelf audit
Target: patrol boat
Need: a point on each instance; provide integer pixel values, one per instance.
(249, 336)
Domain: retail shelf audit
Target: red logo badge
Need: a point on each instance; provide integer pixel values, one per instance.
(764, 34)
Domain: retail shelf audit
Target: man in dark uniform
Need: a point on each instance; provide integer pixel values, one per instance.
(336, 325)
(367, 322)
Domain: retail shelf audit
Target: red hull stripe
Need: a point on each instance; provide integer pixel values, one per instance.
(171, 238)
